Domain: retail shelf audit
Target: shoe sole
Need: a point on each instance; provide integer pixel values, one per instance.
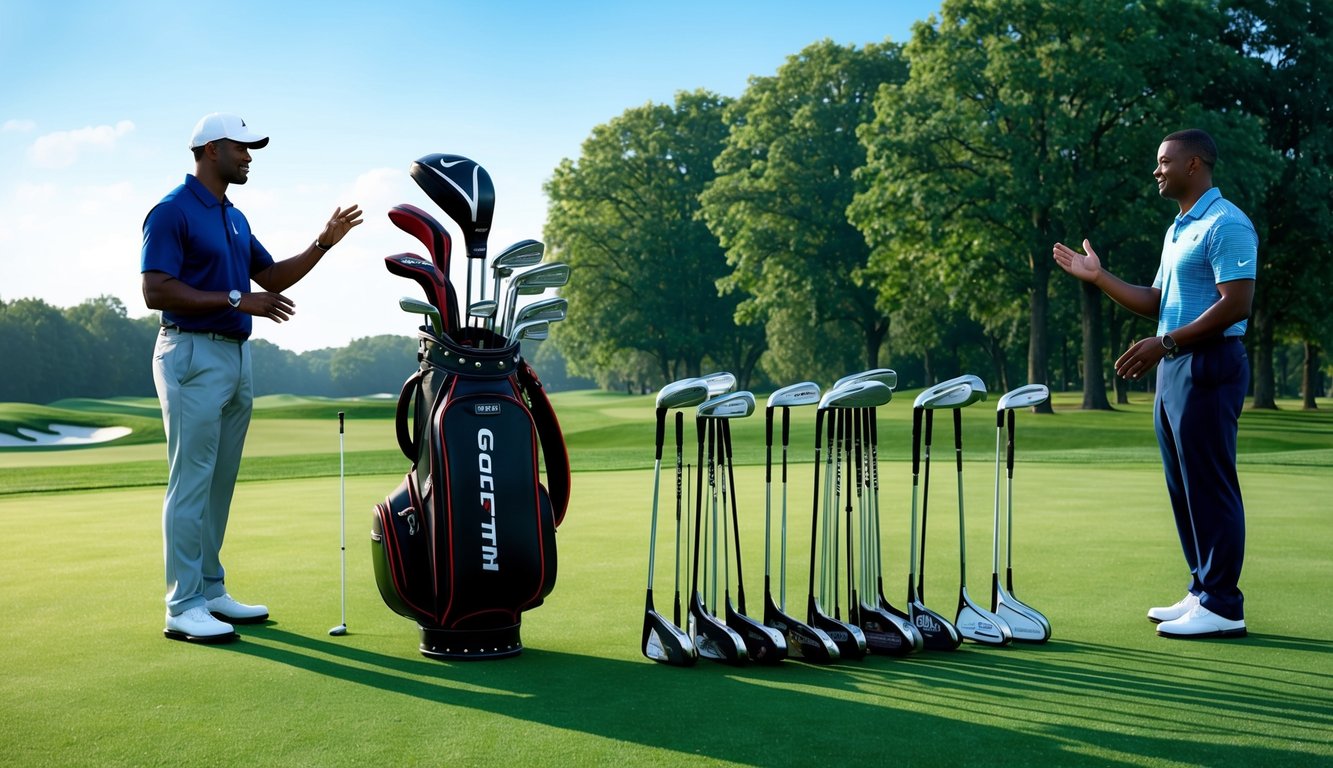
(239, 619)
(175, 634)
(1221, 634)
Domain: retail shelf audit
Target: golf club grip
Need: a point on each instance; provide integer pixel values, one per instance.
(341, 415)
(916, 441)
(958, 436)
(661, 430)
(786, 433)
(1009, 448)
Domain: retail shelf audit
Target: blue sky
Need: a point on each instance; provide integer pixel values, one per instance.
(99, 99)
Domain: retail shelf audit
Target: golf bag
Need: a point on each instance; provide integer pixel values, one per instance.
(466, 542)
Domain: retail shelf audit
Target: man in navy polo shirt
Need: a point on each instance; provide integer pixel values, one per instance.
(198, 260)
(1201, 301)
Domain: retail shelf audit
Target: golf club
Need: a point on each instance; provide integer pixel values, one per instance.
(419, 307)
(662, 640)
(1027, 623)
(973, 621)
(803, 641)
(936, 631)
(765, 644)
(849, 638)
(534, 330)
(898, 616)
(524, 253)
(341, 629)
(886, 376)
(464, 191)
(533, 282)
(437, 289)
(713, 639)
(719, 382)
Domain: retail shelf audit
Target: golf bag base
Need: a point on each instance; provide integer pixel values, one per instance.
(470, 644)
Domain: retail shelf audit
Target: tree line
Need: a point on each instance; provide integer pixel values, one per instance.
(896, 204)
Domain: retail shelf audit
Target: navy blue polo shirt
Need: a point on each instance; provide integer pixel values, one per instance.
(207, 245)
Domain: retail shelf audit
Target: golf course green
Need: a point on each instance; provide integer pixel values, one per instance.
(89, 679)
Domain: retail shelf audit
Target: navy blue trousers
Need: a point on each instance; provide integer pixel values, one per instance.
(1198, 404)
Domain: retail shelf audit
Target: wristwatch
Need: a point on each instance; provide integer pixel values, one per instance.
(234, 298)
(1168, 343)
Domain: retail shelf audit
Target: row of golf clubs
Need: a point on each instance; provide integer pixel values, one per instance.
(873, 624)
(505, 319)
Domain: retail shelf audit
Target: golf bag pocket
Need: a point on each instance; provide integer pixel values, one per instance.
(400, 552)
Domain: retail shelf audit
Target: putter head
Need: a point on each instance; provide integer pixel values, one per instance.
(464, 191)
(980, 625)
(763, 644)
(804, 393)
(857, 394)
(954, 393)
(887, 376)
(719, 382)
(729, 405)
(339, 630)
(665, 642)
(1025, 622)
(803, 641)
(685, 393)
(1024, 397)
(937, 632)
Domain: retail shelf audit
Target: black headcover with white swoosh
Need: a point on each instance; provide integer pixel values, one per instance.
(464, 191)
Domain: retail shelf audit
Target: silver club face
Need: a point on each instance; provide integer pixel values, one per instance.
(955, 395)
(730, 405)
(535, 330)
(804, 393)
(685, 393)
(887, 376)
(524, 253)
(719, 382)
(553, 309)
(857, 394)
(1024, 397)
(418, 307)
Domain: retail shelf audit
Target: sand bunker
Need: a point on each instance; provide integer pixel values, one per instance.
(64, 435)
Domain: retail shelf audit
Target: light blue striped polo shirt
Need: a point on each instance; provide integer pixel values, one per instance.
(1214, 242)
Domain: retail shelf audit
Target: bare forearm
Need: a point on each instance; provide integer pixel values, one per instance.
(1233, 306)
(288, 272)
(164, 292)
(1142, 300)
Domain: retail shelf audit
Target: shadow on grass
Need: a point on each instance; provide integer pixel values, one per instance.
(1064, 702)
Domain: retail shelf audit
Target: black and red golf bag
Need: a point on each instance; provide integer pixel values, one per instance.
(466, 542)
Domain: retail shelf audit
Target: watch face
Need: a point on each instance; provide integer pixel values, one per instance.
(234, 298)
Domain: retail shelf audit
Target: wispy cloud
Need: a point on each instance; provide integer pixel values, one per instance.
(18, 126)
(62, 148)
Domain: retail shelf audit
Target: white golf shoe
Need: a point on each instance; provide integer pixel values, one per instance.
(1201, 622)
(1173, 612)
(227, 607)
(197, 625)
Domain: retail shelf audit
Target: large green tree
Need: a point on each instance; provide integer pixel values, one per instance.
(624, 216)
(1027, 122)
(1286, 79)
(779, 206)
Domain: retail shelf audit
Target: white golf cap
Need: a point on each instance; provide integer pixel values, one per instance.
(223, 125)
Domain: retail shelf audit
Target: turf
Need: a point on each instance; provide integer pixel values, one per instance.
(90, 680)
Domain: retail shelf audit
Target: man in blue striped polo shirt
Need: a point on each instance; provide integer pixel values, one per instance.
(1201, 301)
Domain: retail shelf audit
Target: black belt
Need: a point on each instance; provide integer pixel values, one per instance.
(234, 338)
(1216, 341)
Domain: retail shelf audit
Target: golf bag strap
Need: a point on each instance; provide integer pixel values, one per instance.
(407, 442)
(552, 440)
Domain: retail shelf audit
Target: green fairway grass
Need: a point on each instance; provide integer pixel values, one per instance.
(89, 679)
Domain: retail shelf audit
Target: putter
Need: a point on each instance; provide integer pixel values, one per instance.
(1027, 623)
(849, 638)
(663, 640)
(803, 641)
(937, 632)
(973, 621)
(765, 644)
(341, 629)
(464, 191)
(713, 639)
(896, 615)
